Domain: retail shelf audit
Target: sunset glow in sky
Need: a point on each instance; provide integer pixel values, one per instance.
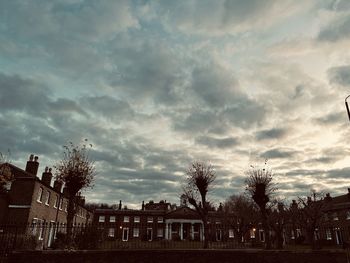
(155, 85)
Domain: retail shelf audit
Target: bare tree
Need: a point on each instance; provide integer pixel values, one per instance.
(77, 171)
(199, 178)
(260, 186)
(310, 214)
(6, 175)
(242, 214)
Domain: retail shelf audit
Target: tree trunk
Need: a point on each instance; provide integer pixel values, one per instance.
(70, 217)
(266, 228)
(206, 233)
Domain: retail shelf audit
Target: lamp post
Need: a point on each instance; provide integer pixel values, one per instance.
(347, 106)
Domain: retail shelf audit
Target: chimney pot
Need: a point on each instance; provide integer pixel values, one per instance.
(32, 166)
(47, 176)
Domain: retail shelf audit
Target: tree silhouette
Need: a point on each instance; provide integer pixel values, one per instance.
(200, 177)
(6, 175)
(77, 171)
(260, 187)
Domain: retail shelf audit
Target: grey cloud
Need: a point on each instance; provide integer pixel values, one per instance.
(339, 173)
(215, 85)
(339, 30)
(17, 93)
(66, 105)
(340, 75)
(274, 133)
(217, 142)
(277, 154)
(220, 17)
(108, 107)
(332, 118)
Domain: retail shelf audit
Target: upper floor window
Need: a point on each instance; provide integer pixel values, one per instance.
(231, 233)
(136, 219)
(160, 219)
(61, 204)
(101, 219)
(56, 202)
(40, 195)
(47, 202)
(126, 219)
(112, 219)
(149, 219)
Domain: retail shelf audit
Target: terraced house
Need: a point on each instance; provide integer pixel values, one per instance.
(38, 203)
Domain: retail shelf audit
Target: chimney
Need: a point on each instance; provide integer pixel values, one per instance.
(47, 176)
(328, 197)
(143, 205)
(32, 165)
(120, 205)
(294, 205)
(65, 191)
(57, 185)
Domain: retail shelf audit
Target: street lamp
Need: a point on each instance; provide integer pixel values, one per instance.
(347, 106)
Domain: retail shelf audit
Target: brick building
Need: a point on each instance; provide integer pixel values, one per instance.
(38, 202)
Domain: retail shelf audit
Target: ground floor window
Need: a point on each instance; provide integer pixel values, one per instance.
(231, 233)
(160, 232)
(261, 235)
(125, 234)
(111, 232)
(149, 234)
(136, 232)
(218, 235)
(328, 234)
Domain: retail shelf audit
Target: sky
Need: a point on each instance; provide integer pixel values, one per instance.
(156, 85)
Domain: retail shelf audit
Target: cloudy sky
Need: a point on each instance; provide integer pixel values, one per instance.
(155, 85)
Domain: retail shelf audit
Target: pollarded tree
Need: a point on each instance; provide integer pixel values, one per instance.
(199, 179)
(243, 214)
(6, 175)
(260, 186)
(77, 171)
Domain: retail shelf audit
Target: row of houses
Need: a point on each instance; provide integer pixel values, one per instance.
(44, 202)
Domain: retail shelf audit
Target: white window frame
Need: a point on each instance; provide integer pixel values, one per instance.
(218, 234)
(136, 219)
(335, 216)
(41, 223)
(56, 201)
(160, 219)
(127, 235)
(112, 219)
(60, 205)
(40, 195)
(231, 233)
(136, 232)
(101, 219)
(111, 232)
(150, 219)
(150, 239)
(328, 234)
(160, 232)
(126, 219)
(347, 215)
(48, 195)
(261, 235)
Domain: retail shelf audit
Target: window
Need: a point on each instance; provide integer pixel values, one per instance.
(335, 216)
(136, 232)
(136, 219)
(125, 234)
(149, 219)
(66, 207)
(41, 228)
(231, 233)
(252, 233)
(218, 234)
(47, 198)
(328, 234)
(149, 234)
(112, 219)
(262, 235)
(101, 219)
(40, 195)
(316, 234)
(126, 219)
(61, 204)
(34, 226)
(111, 232)
(348, 215)
(298, 232)
(160, 232)
(56, 202)
(160, 219)
(292, 234)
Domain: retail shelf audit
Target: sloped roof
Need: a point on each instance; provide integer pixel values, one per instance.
(183, 212)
